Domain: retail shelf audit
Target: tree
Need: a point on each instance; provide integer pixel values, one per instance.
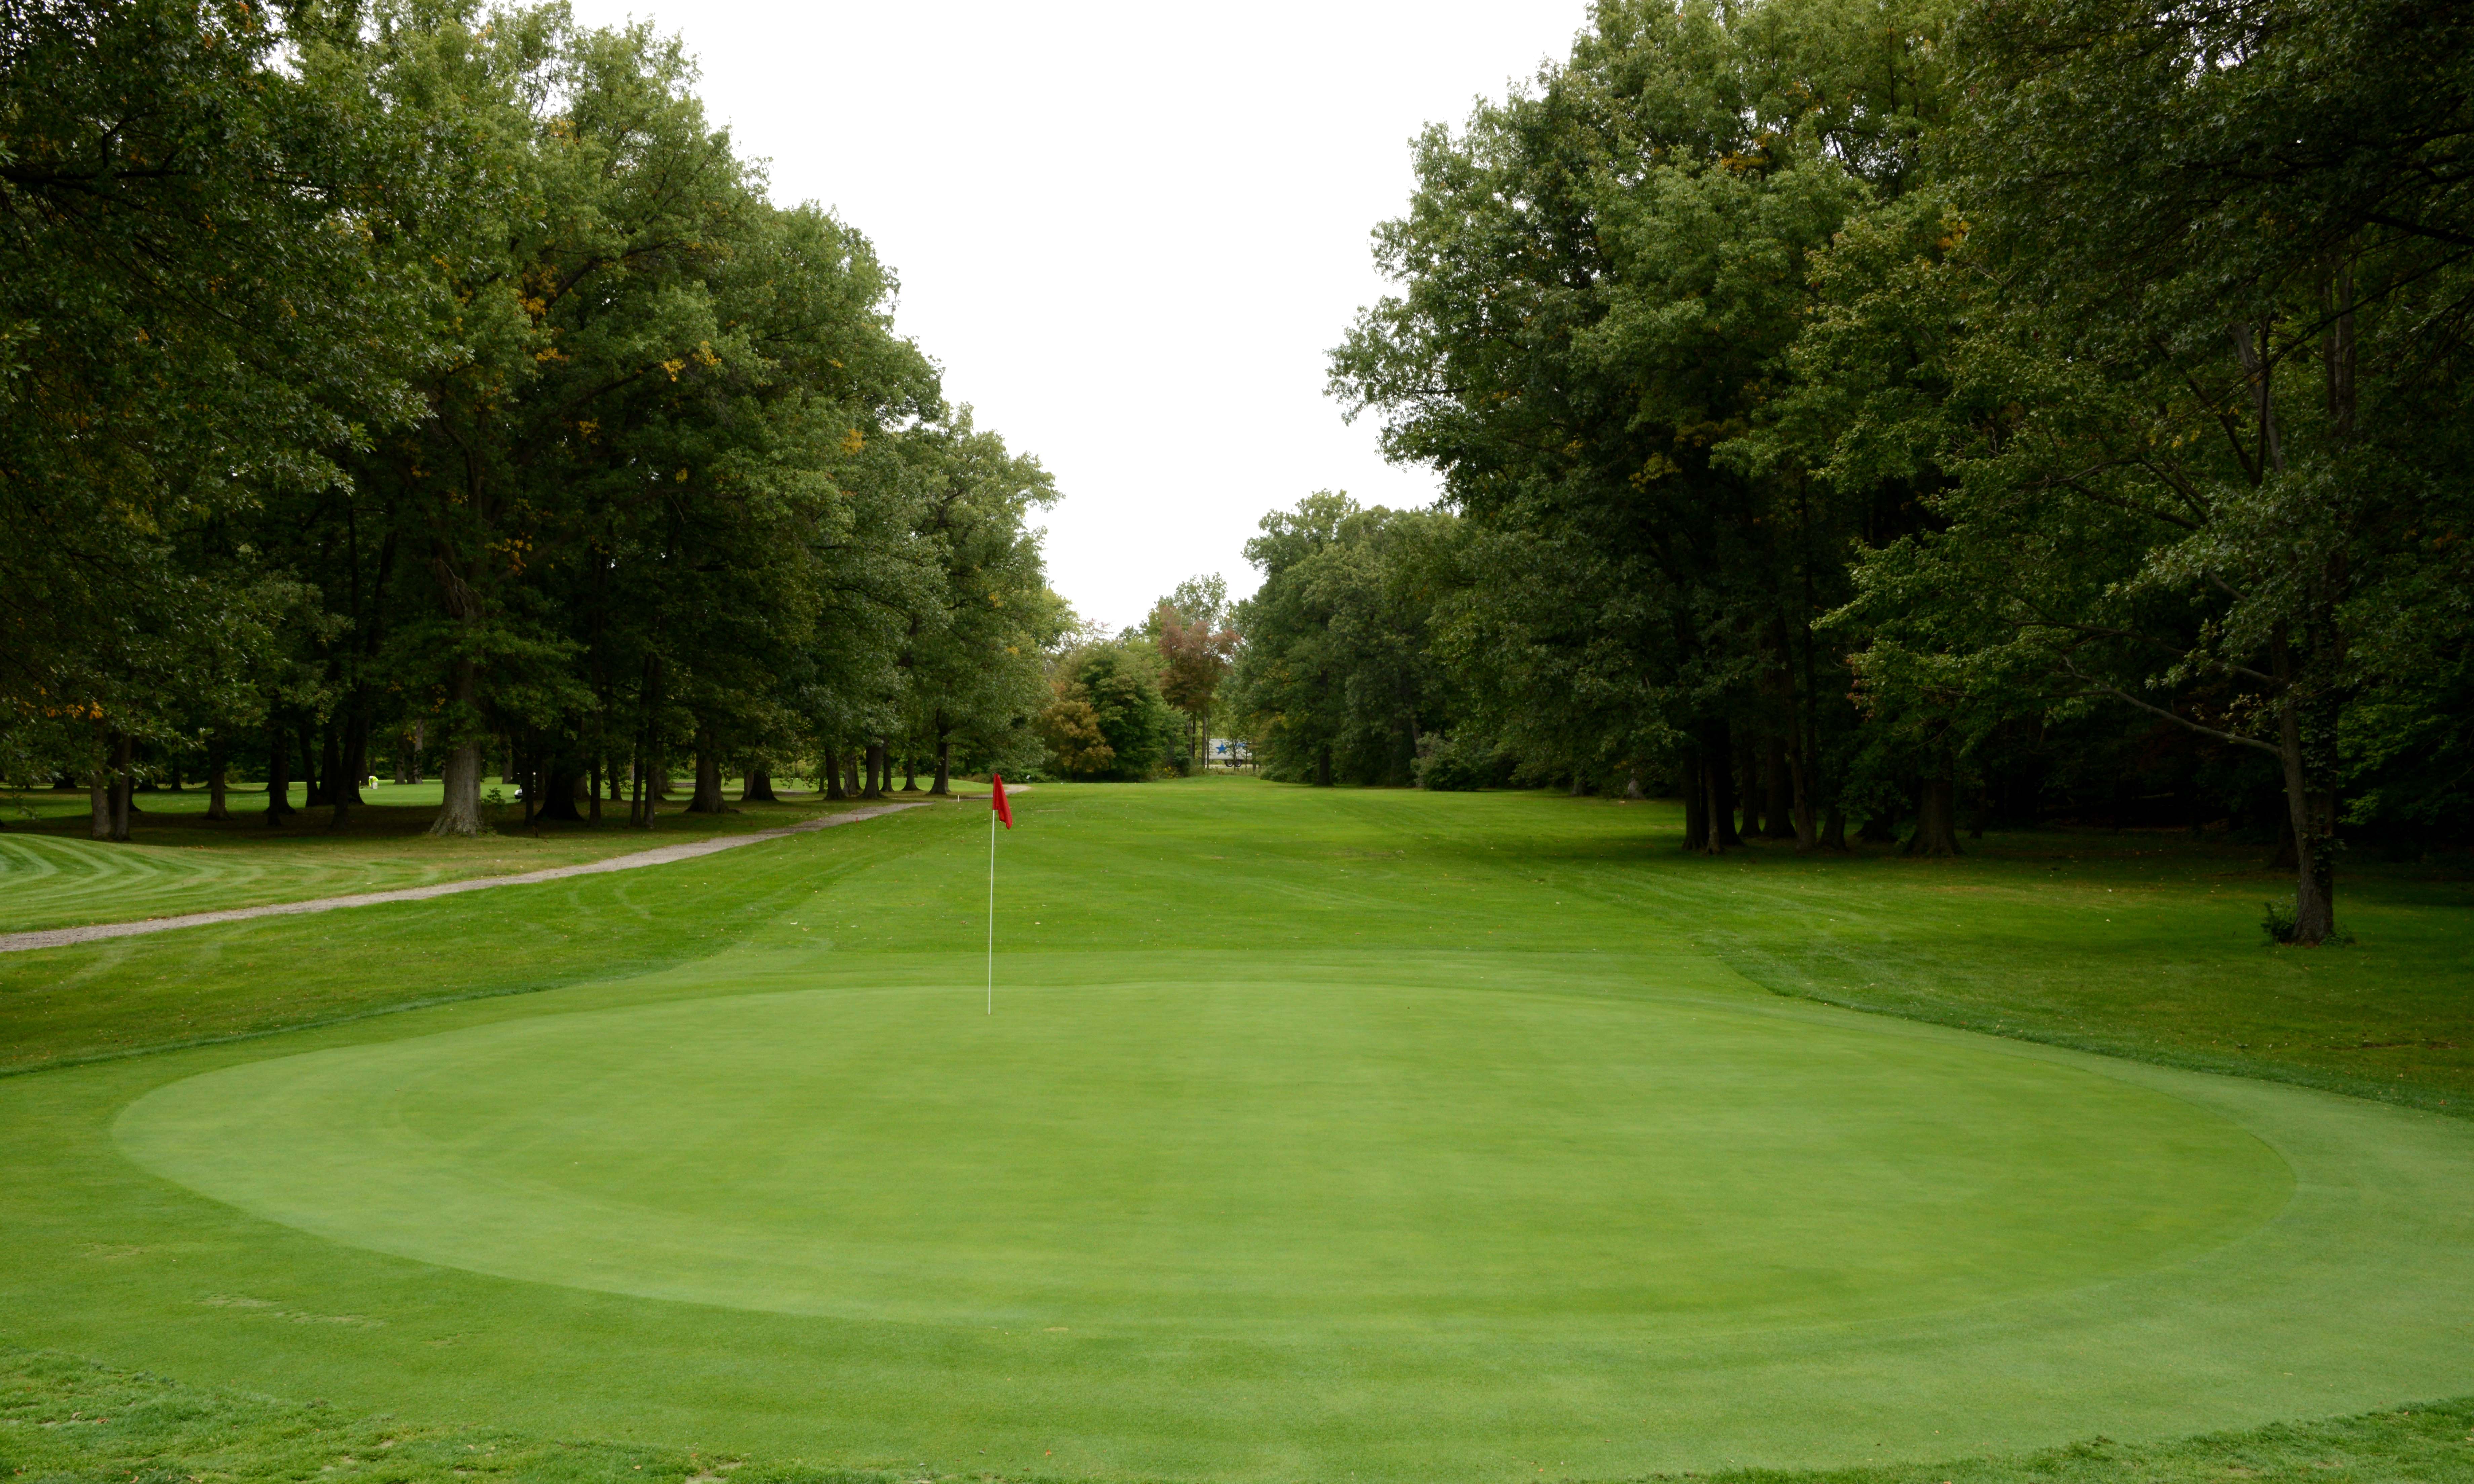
(411, 368)
(186, 324)
(2191, 365)
(1196, 649)
(1601, 277)
(1107, 720)
(974, 651)
(1338, 676)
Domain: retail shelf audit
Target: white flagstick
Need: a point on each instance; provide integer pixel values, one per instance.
(992, 907)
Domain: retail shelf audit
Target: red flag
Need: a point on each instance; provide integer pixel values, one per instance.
(997, 800)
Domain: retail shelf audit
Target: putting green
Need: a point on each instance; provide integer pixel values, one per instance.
(1330, 1155)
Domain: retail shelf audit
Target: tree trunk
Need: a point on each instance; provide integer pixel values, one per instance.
(2312, 813)
(522, 772)
(346, 741)
(1800, 762)
(1760, 789)
(910, 770)
(1800, 808)
(1719, 808)
(459, 807)
(640, 786)
(834, 789)
(278, 774)
(1937, 818)
(561, 783)
(1720, 750)
(459, 812)
(312, 786)
(123, 746)
(1696, 801)
(1833, 829)
(592, 792)
(331, 762)
(1322, 767)
(944, 764)
(1746, 780)
(708, 783)
(98, 788)
(657, 766)
(872, 784)
(634, 790)
(357, 756)
(758, 787)
(216, 807)
(1778, 810)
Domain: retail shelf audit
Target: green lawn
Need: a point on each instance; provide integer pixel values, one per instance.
(65, 1420)
(1318, 1135)
(54, 875)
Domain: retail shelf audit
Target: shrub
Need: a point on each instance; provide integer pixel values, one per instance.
(1454, 764)
(2277, 923)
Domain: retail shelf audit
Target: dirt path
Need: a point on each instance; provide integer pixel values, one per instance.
(62, 937)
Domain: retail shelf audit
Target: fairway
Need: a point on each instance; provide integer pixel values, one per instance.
(1314, 1136)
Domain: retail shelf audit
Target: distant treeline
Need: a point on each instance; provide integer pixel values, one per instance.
(1889, 415)
(389, 386)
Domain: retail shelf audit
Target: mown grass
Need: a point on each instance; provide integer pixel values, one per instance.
(2140, 946)
(2145, 946)
(65, 1005)
(67, 1421)
(52, 874)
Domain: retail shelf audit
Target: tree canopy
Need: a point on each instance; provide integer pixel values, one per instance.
(435, 380)
(1876, 411)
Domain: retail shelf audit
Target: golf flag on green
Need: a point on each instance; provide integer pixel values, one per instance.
(998, 809)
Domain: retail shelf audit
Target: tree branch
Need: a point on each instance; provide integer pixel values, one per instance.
(2177, 718)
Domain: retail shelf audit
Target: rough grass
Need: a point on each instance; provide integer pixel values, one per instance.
(67, 1421)
(66, 1005)
(53, 875)
(2142, 946)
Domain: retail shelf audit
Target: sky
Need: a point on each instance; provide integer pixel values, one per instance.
(1130, 234)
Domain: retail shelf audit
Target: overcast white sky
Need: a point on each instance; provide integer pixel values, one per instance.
(1128, 232)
